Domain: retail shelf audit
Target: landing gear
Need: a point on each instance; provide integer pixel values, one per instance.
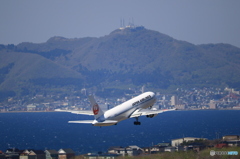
(137, 122)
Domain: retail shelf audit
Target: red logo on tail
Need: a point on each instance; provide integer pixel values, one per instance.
(95, 109)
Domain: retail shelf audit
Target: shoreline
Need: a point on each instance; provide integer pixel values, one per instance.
(27, 111)
(64, 111)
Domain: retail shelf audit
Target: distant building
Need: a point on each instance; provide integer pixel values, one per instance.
(31, 107)
(84, 91)
(169, 149)
(51, 154)
(127, 151)
(212, 104)
(174, 100)
(236, 107)
(134, 150)
(12, 153)
(36, 154)
(231, 137)
(65, 153)
(180, 106)
(10, 99)
(2, 155)
(24, 154)
(154, 149)
(165, 144)
(32, 154)
(221, 145)
(117, 150)
(231, 90)
(100, 156)
(143, 89)
(177, 142)
(231, 140)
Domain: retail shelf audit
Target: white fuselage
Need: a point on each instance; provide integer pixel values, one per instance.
(125, 110)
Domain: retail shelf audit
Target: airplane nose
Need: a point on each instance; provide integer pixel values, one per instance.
(152, 94)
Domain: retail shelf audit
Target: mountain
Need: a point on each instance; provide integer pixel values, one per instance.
(125, 57)
(20, 73)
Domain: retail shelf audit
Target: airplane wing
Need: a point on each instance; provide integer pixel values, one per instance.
(82, 121)
(148, 112)
(83, 112)
(95, 123)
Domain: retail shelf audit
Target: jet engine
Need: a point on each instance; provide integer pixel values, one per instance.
(151, 115)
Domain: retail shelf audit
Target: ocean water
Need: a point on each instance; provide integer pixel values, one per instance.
(51, 130)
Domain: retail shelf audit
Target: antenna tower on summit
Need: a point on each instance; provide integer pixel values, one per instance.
(122, 23)
(130, 25)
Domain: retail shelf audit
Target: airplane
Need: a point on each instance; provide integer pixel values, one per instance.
(133, 108)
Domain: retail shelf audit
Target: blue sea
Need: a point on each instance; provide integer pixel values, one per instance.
(51, 130)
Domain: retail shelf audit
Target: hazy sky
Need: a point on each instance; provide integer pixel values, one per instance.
(198, 22)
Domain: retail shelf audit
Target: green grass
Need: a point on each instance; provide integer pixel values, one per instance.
(204, 154)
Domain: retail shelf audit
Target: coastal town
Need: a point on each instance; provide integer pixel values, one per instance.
(184, 144)
(183, 99)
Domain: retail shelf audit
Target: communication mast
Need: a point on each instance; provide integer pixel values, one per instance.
(122, 23)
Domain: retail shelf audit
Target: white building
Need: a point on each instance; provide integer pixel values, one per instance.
(174, 100)
(177, 142)
(169, 149)
(127, 151)
(31, 107)
(212, 104)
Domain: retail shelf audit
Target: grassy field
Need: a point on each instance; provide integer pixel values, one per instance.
(204, 154)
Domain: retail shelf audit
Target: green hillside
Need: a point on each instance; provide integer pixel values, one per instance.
(22, 72)
(146, 56)
(132, 56)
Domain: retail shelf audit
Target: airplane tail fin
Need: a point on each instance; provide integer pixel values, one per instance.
(97, 111)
